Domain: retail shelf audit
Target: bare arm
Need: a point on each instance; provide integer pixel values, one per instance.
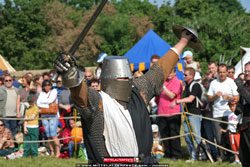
(188, 99)
(25, 127)
(170, 94)
(18, 104)
(212, 98)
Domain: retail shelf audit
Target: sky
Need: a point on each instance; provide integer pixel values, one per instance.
(245, 3)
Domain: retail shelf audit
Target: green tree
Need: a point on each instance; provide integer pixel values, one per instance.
(227, 6)
(138, 7)
(23, 34)
(81, 4)
(222, 32)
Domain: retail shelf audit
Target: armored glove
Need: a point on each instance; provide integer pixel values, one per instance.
(66, 66)
(239, 82)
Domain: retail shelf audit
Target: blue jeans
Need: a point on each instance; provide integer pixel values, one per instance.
(209, 131)
(11, 125)
(195, 125)
(72, 148)
(157, 156)
(50, 126)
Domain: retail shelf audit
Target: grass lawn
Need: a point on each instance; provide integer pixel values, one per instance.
(54, 162)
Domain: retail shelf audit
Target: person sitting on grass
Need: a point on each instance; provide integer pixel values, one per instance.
(6, 147)
(31, 128)
(157, 149)
(77, 131)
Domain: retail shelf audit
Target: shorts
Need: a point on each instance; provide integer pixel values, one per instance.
(50, 125)
(234, 141)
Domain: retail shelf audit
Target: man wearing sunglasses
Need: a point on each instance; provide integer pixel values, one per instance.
(231, 72)
(8, 99)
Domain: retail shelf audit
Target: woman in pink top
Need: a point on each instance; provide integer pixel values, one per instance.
(170, 124)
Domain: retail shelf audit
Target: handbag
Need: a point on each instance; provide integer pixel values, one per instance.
(52, 110)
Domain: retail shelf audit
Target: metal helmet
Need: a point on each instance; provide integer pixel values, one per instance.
(195, 43)
(114, 68)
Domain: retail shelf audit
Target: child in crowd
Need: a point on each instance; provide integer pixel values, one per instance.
(31, 128)
(234, 136)
(19, 153)
(157, 150)
(80, 147)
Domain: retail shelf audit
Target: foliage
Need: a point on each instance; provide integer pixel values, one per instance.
(137, 7)
(22, 34)
(227, 6)
(81, 4)
(33, 32)
(222, 33)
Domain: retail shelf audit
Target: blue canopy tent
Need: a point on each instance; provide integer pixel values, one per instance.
(139, 55)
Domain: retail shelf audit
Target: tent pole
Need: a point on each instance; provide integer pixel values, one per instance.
(241, 60)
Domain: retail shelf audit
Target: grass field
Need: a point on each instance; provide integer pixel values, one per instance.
(54, 162)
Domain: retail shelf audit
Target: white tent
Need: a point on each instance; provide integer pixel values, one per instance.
(240, 66)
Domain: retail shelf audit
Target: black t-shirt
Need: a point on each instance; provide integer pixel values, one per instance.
(196, 91)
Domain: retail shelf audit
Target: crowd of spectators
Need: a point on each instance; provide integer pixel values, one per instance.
(213, 94)
(23, 100)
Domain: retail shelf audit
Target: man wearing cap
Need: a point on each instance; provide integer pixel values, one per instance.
(115, 120)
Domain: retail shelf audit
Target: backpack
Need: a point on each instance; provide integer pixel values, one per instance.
(203, 97)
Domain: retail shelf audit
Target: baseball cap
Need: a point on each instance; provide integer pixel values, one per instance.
(31, 98)
(187, 53)
(155, 128)
(101, 57)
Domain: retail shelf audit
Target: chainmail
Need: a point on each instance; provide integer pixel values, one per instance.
(93, 118)
(150, 85)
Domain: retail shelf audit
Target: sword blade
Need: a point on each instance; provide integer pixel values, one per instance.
(87, 27)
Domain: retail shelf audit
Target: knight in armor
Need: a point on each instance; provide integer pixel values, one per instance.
(244, 107)
(115, 120)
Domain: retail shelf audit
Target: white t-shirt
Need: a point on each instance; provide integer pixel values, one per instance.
(227, 87)
(232, 118)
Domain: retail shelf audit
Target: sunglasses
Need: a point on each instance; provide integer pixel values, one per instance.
(47, 85)
(1, 125)
(8, 80)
